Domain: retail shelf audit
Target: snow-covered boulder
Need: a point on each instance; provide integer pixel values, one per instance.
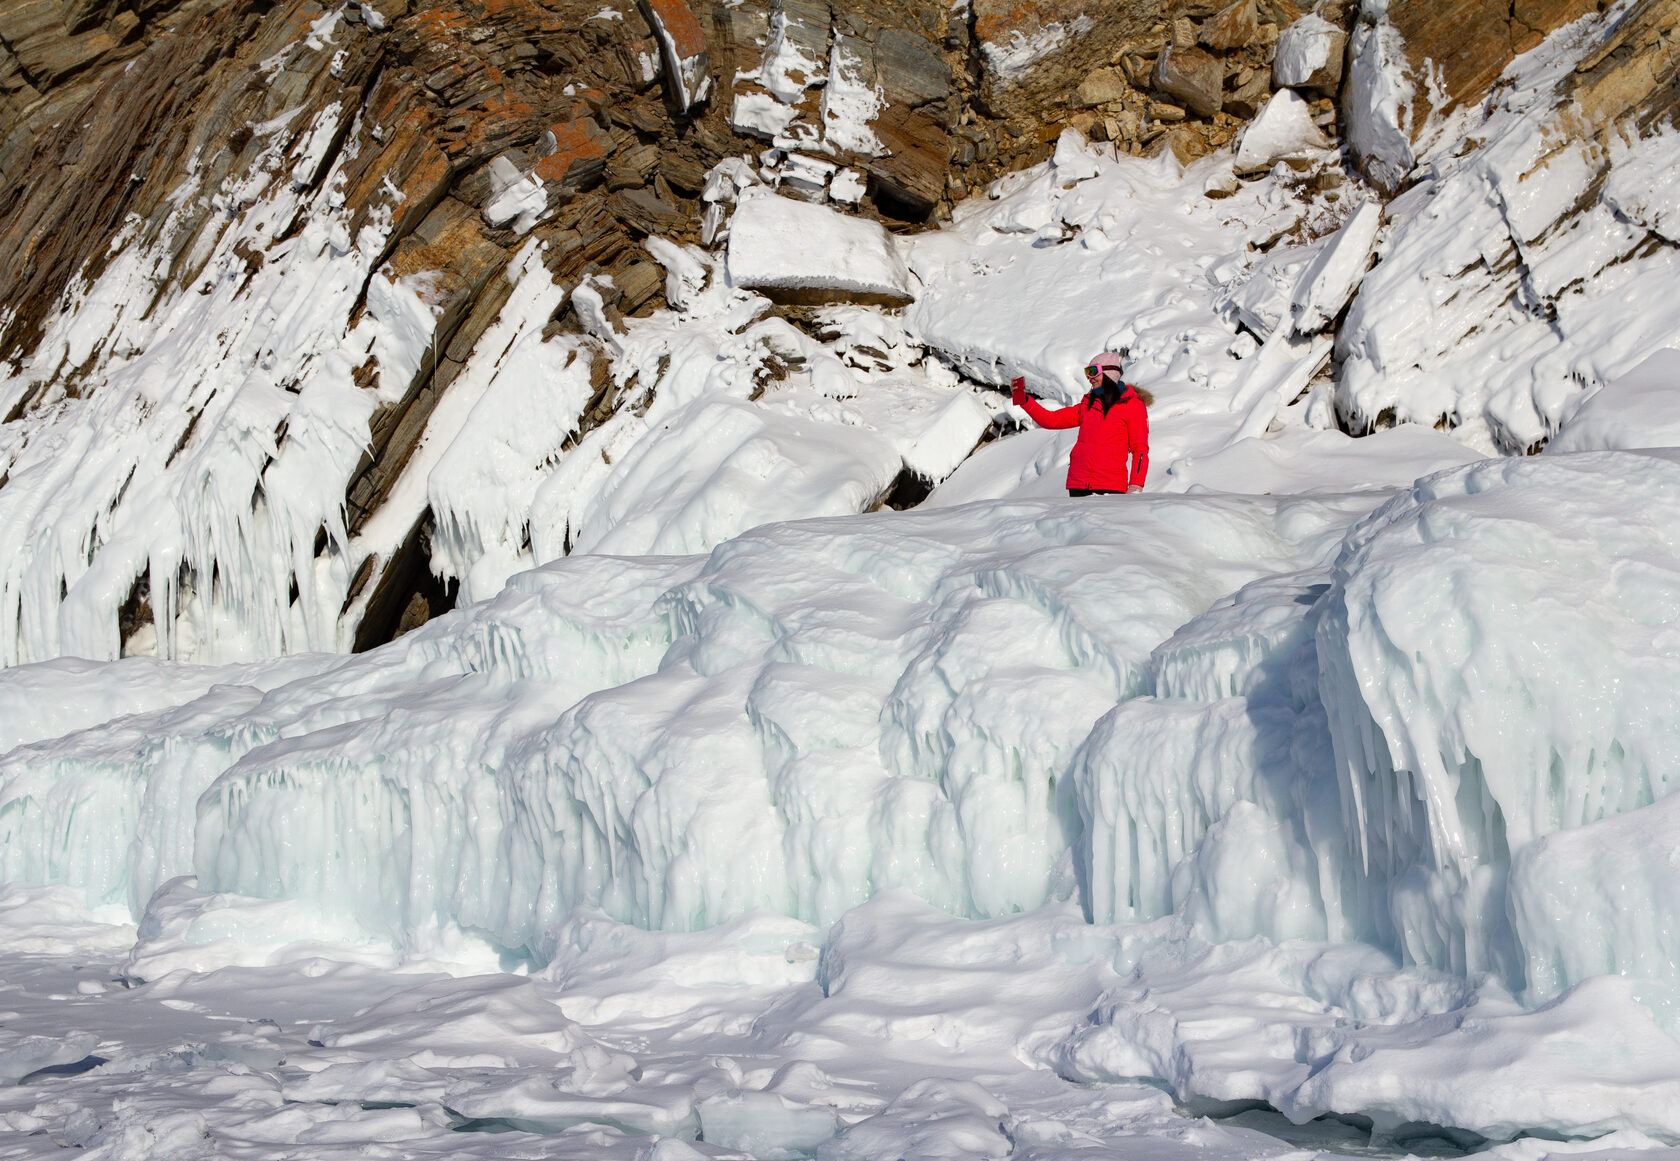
(776, 243)
(1309, 53)
(1283, 129)
(1377, 100)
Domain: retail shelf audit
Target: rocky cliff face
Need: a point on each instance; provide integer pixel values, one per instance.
(174, 170)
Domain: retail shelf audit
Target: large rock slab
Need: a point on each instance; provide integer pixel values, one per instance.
(1309, 55)
(34, 31)
(1283, 129)
(1234, 27)
(909, 68)
(576, 159)
(918, 152)
(779, 244)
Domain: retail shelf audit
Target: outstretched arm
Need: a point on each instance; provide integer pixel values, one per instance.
(1137, 440)
(1042, 415)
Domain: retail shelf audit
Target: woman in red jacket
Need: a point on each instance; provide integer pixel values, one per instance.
(1113, 424)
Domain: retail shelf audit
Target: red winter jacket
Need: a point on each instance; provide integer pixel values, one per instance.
(1099, 454)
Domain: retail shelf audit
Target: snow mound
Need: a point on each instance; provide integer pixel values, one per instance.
(1312, 1030)
(1641, 409)
(1302, 460)
(1351, 732)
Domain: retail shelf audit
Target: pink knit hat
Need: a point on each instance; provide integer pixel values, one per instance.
(1110, 359)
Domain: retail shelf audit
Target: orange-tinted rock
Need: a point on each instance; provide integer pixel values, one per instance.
(1531, 20)
(683, 48)
(497, 120)
(577, 160)
(1021, 42)
(1469, 41)
(998, 22)
(677, 22)
(1464, 45)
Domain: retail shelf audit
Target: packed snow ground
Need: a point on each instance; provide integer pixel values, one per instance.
(1314, 801)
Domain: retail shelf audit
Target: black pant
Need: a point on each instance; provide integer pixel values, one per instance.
(1094, 491)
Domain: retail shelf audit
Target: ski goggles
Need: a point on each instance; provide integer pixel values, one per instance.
(1096, 372)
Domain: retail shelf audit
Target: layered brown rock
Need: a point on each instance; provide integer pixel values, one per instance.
(1025, 50)
(575, 161)
(913, 171)
(118, 150)
(1472, 41)
(1001, 22)
(34, 31)
(1469, 41)
(1532, 20)
(1632, 82)
(451, 247)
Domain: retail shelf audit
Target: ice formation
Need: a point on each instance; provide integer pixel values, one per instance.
(1291, 720)
(807, 667)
